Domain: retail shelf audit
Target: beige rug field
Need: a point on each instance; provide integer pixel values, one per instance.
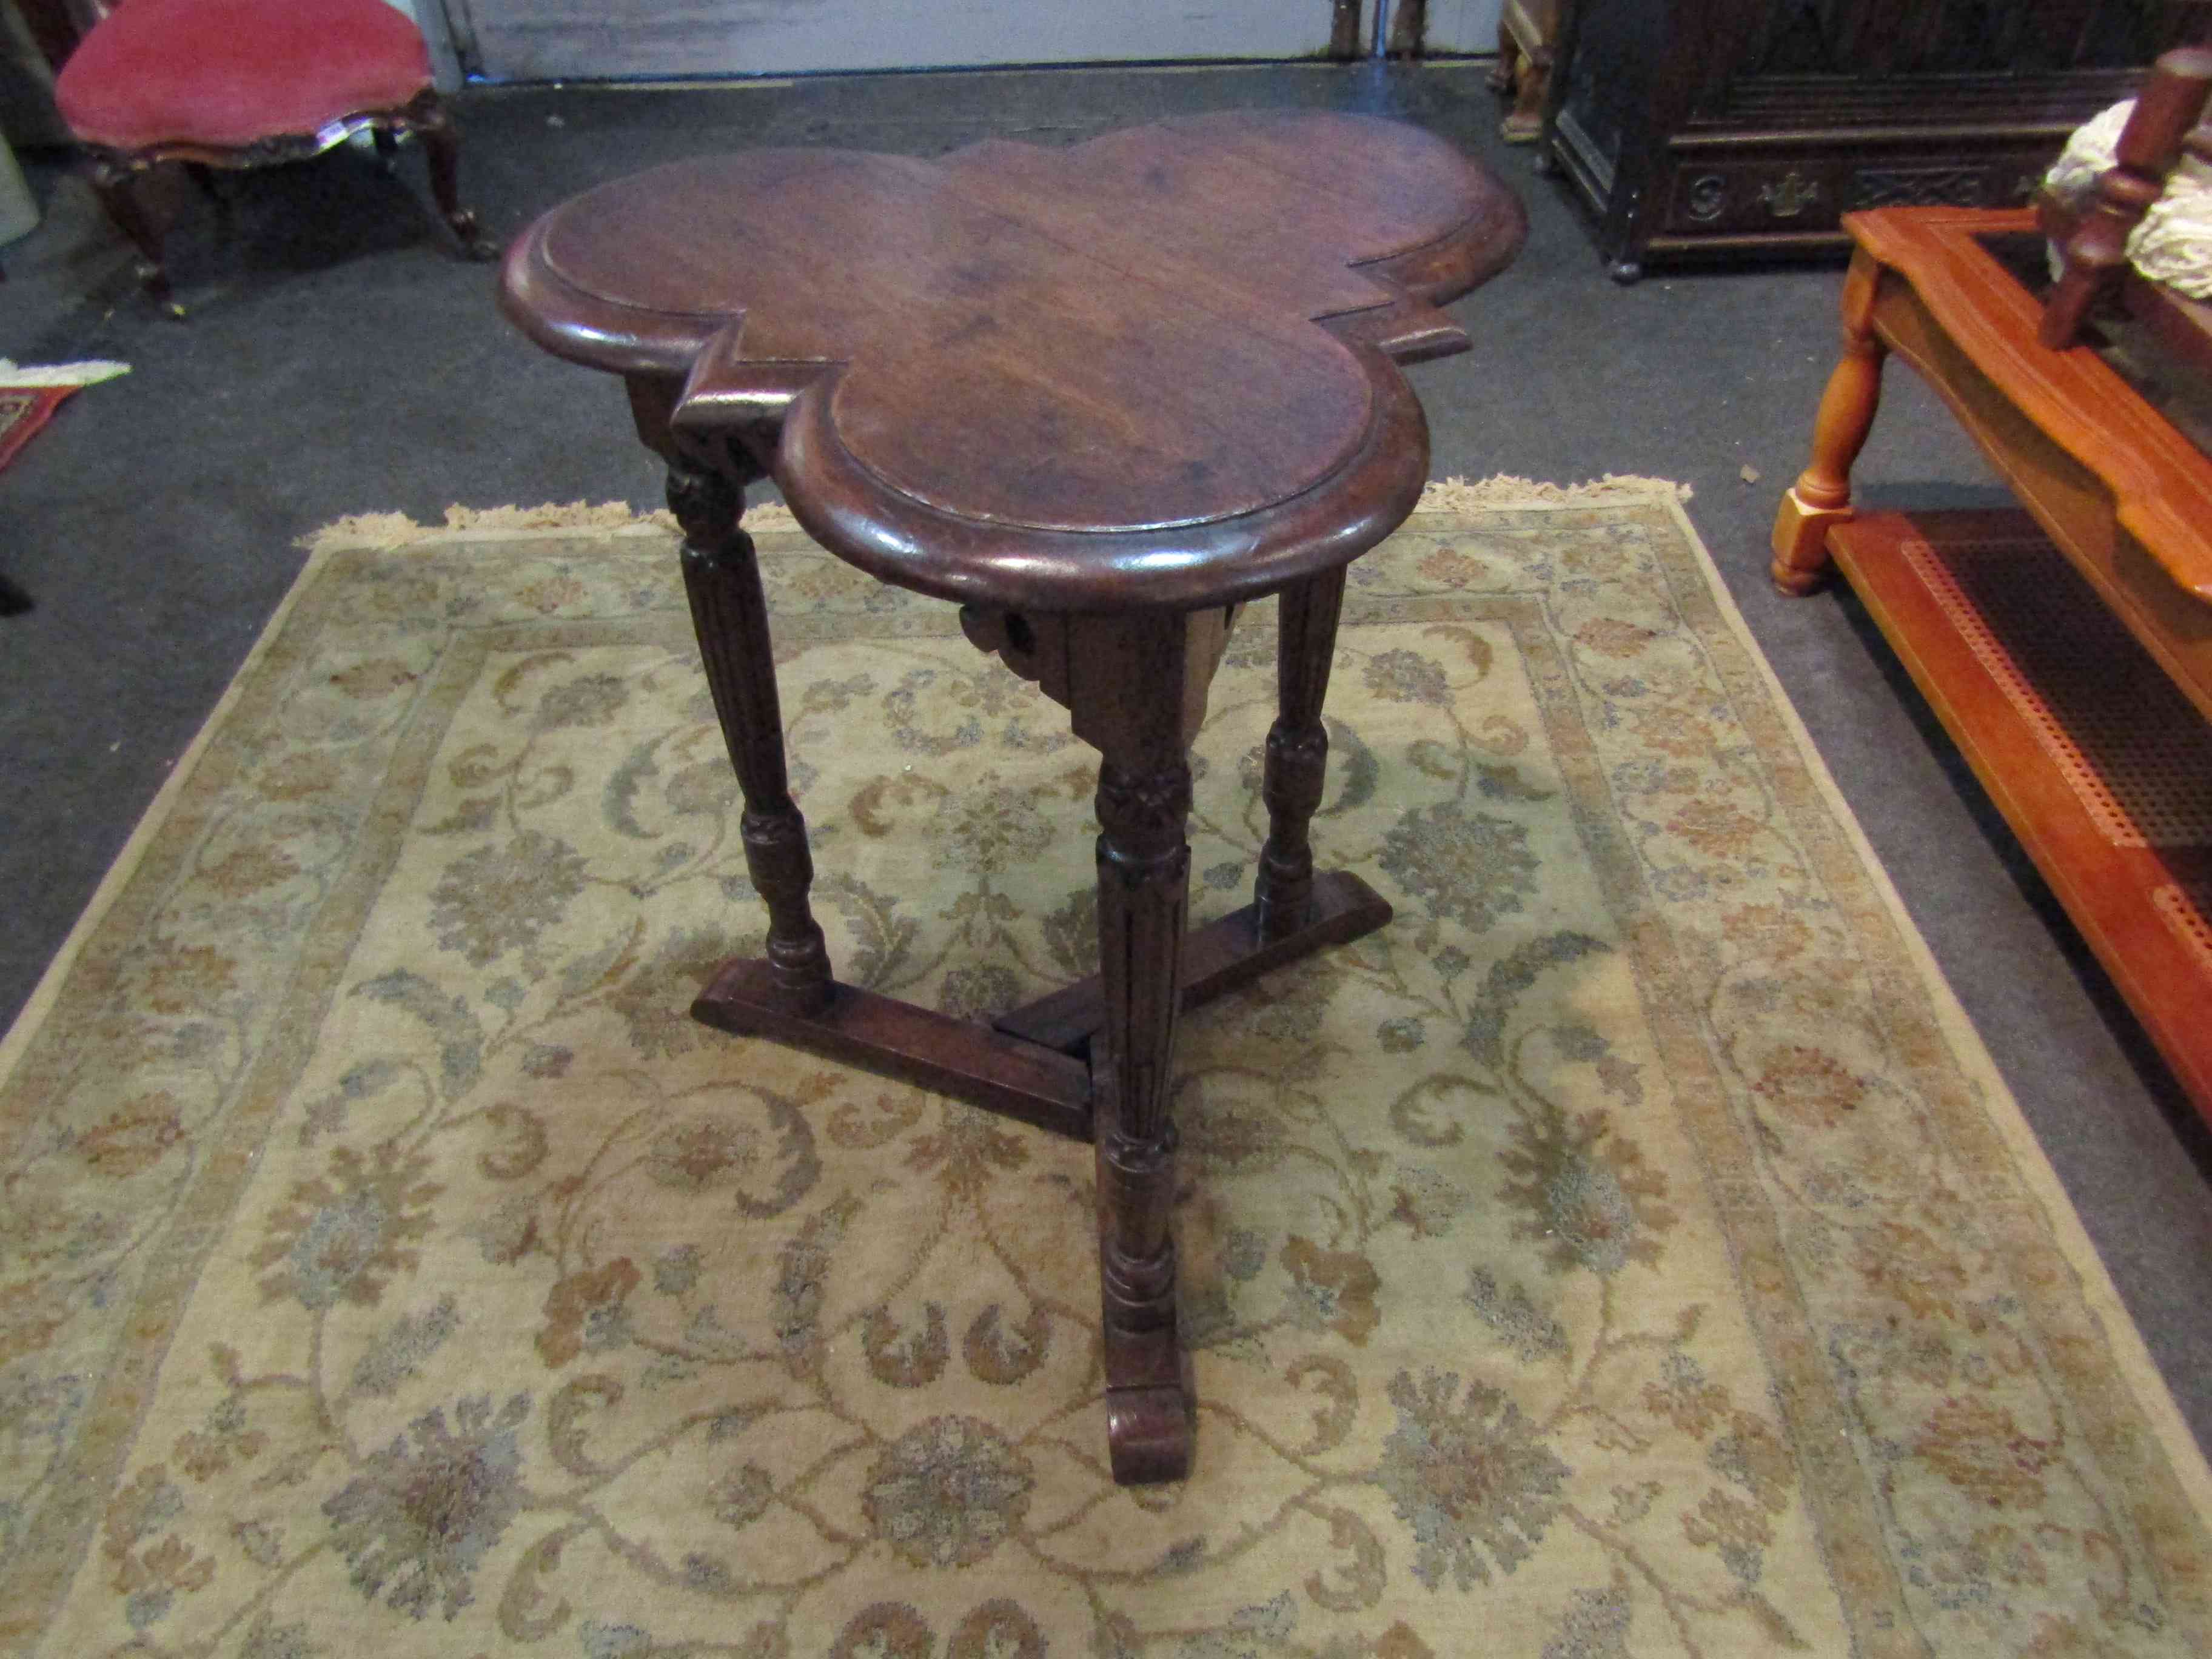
(1628, 1252)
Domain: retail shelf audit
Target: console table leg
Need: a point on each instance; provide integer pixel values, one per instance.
(1822, 495)
(1144, 879)
(721, 577)
(1297, 752)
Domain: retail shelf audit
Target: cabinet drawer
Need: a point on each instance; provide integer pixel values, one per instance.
(1801, 192)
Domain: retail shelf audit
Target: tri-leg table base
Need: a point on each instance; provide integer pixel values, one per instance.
(1033, 1067)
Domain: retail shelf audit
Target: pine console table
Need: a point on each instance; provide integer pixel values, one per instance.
(2067, 648)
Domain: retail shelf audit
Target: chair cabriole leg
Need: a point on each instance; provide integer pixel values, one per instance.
(117, 188)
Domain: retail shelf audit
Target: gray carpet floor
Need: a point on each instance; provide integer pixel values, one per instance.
(340, 359)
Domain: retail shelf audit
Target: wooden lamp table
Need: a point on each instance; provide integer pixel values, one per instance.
(2066, 649)
(1098, 397)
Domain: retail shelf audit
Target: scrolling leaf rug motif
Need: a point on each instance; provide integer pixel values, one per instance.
(1628, 1252)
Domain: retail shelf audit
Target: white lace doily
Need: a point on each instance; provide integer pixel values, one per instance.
(2174, 244)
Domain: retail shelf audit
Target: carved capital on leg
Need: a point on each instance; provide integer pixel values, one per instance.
(1141, 816)
(708, 503)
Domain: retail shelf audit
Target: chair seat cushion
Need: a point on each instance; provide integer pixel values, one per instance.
(227, 73)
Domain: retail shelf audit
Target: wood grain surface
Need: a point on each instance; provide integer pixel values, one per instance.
(1150, 369)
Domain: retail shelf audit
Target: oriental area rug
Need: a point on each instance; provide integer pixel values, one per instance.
(1629, 1251)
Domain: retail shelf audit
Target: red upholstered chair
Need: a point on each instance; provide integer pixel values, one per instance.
(239, 84)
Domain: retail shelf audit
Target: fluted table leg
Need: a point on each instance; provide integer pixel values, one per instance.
(1136, 700)
(1144, 886)
(721, 576)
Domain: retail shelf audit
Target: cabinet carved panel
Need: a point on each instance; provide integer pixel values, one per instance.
(1707, 128)
(1883, 38)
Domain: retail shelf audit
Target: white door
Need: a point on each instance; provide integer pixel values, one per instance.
(626, 39)
(1462, 26)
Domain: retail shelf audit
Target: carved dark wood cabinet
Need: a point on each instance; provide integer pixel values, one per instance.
(1707, 128)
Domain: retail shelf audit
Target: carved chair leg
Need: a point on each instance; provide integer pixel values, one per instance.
(116, 187)
(1822, 494)
(1297, 752)
(721, 577)
(442, 149)
(1144, 880)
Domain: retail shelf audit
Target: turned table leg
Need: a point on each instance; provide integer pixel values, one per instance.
(721, 577)
(1138, 702)
(1822, 494)
(1297, 752)
(1144, 880)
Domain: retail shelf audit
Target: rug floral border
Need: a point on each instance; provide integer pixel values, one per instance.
(2082, 1326)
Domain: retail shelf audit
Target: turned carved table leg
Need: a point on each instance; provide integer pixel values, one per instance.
(1144, 879)
(1297, 752)
(1132, 703)
(721, 577)
(1822, 494)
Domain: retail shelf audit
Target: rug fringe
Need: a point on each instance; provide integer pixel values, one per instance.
(90, 372)
(389, 530)
(1503, 490)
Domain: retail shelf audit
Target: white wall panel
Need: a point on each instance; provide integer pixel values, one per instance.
(1463, 25)
(613, 39)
